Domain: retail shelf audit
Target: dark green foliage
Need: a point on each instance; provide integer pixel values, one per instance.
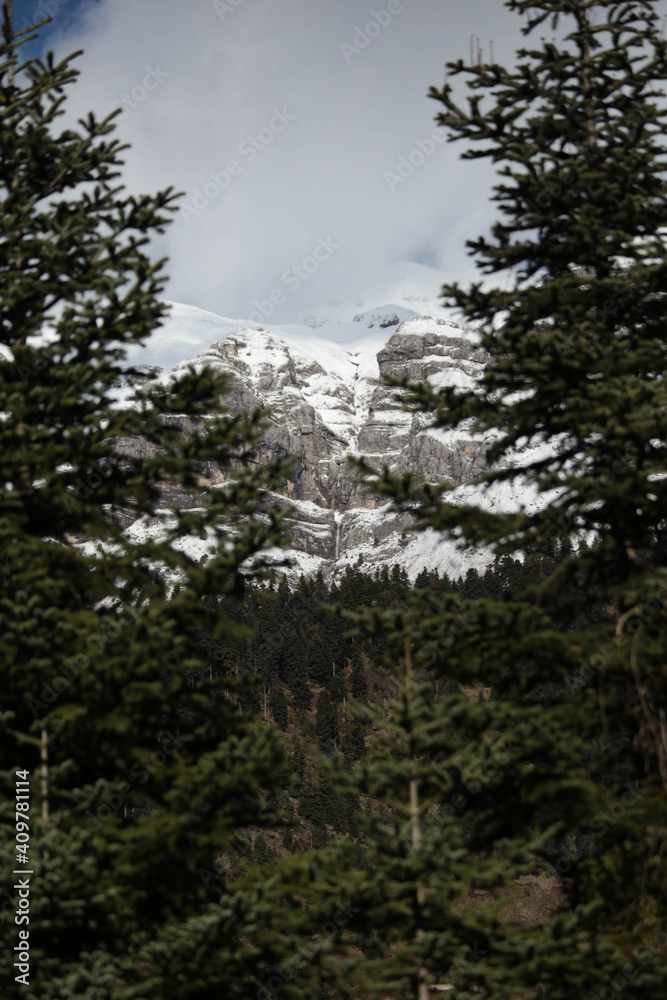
(290, 636)
(319, 805)
(353, 744)
(358, 683)
(527, 736)
(150, 766)
(278, 706)
(574, 657)
(261, 852)
(296, 674)
(288, 841)
(326, 722)
(336, 687)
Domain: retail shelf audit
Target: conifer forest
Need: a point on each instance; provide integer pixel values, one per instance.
(226, 779)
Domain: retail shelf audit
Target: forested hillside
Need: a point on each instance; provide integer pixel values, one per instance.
(218, 785)
(297, 663)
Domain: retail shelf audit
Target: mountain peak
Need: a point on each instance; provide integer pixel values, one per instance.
(328, 402)
(385, 316)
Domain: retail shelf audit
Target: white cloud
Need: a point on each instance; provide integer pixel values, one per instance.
(202, 86)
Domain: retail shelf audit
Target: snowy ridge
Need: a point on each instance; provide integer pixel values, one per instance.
(323, 384)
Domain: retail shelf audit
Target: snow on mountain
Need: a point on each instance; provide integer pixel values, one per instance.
(407, 285)
(184, 333)
(324, 388)
(385, 317)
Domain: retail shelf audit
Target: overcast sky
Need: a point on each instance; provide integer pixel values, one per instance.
(285, 123)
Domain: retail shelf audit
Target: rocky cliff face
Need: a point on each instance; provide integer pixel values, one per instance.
(328, 401)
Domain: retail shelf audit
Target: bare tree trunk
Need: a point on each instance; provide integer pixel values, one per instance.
(415, 830)
(584, 22)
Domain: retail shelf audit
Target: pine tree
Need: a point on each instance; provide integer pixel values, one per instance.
(336, 687)
(358, 682)
(326, 722)
(353, 743)
(575, 386)
(147, 768)
(585, 206)
(278, 705)
(296, 671)
(464, 795)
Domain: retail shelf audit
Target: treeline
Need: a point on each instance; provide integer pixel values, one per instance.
(291, 657)
(297, 658)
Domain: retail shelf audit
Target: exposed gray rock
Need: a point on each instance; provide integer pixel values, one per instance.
(328, 403)
(385, 317)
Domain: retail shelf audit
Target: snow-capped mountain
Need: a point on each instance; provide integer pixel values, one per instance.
(324, 388)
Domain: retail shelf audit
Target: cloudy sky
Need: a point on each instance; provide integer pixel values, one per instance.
(285, 123)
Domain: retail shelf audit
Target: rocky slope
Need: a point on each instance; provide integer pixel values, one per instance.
(328, 401)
